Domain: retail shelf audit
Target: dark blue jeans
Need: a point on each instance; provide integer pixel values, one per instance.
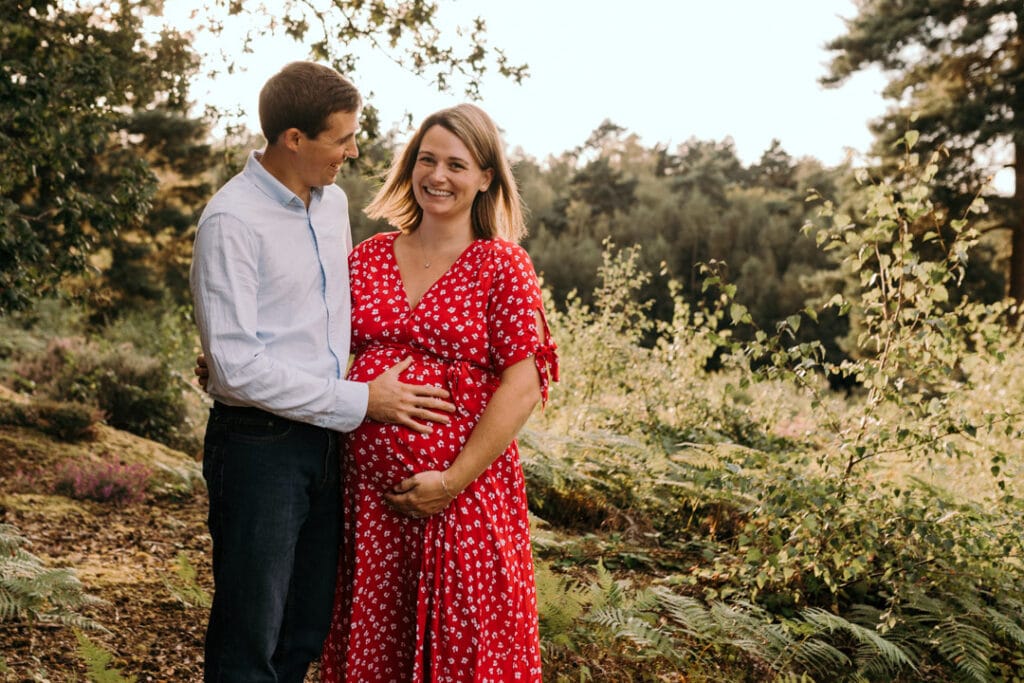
(274, 518)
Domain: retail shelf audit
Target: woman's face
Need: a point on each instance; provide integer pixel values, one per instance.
(445, 177)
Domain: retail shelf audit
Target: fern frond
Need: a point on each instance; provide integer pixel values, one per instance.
(819, 657)
(743, 627)
(606, 590)
(11, 542)
(687, 613)
(29, 590)
(626, 624)
(97, 661)
(1007, 627)
(964, 646)
(184, 586)
(871, 645)
(560, 602)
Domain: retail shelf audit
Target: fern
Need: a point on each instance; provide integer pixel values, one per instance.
(606, 591)
(819, 657)
(625, 623)
(1005, 626)
(29, 590)
(872, 649)
(687, 613)
(184, 586)
(97, 662)
(560, 602)
(964, 646)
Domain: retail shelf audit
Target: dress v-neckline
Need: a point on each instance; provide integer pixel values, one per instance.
(401, 279)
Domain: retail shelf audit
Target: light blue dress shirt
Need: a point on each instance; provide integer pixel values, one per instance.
(269, 281)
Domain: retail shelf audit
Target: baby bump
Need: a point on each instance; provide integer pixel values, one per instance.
(388, 452)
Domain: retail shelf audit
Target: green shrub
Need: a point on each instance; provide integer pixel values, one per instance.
(139, 394)
(67, 420)
(785, 532)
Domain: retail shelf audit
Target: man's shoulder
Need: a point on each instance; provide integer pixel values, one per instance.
(239, 192)
(334, 195)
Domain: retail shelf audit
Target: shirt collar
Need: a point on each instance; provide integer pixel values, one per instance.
(273, 187)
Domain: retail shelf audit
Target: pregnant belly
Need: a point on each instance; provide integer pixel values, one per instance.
(388, 453)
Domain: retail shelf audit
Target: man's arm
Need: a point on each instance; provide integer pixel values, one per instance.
(225, 286)
(389, 400)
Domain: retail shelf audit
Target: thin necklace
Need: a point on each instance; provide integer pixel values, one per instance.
(427, 261)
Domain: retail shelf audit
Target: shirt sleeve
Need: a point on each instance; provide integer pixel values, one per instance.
(224, 281)
(512, 325)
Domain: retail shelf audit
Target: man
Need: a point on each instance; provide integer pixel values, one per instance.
(270, 283)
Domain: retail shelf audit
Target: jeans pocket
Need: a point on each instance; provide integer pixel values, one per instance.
(260, 431)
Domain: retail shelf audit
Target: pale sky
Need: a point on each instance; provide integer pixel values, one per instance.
(667, 70)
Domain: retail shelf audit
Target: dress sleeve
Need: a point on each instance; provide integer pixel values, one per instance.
(512, 328)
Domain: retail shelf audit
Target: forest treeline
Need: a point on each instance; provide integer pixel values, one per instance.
(107, 163)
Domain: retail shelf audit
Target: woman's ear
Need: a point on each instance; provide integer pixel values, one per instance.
(488, 179)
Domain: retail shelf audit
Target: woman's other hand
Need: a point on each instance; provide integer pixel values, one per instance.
(421, 495)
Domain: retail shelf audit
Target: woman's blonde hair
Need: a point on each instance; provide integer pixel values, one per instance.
(497, 212)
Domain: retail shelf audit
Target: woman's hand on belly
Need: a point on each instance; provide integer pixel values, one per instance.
(421, 495)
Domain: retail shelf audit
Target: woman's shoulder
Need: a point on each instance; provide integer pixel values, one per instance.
(504, 250)
(376, 241)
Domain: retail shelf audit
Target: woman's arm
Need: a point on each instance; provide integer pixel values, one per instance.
(427, 493)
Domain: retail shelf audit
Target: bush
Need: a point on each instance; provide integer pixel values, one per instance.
(67, 420)
(139, 394)
(107, 482)
(833, 550)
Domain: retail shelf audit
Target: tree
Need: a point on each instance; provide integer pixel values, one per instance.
(958, 67)
(71, 180)
(149, 264)
(88, 90)
(407, 32)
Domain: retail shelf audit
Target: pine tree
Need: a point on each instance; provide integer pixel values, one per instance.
(958, 66)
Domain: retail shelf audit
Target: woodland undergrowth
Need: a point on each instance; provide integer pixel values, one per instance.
(749, 523)
(705, 506)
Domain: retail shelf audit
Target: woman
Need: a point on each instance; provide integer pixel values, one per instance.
(436, 577)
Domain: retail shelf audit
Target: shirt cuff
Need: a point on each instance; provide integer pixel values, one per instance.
(350, 405)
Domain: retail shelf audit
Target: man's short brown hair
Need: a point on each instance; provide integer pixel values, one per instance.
(304, 95)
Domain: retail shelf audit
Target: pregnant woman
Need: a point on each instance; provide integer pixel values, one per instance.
(436, 576)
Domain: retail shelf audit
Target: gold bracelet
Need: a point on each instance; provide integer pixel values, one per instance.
(444, 485)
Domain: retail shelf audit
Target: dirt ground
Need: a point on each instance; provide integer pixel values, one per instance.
(127, 556)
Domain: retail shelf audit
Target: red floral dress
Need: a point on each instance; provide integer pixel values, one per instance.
(450, 597)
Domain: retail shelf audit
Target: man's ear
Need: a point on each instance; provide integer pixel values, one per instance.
(290, 138)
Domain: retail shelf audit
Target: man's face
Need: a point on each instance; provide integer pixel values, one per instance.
(320, 158)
